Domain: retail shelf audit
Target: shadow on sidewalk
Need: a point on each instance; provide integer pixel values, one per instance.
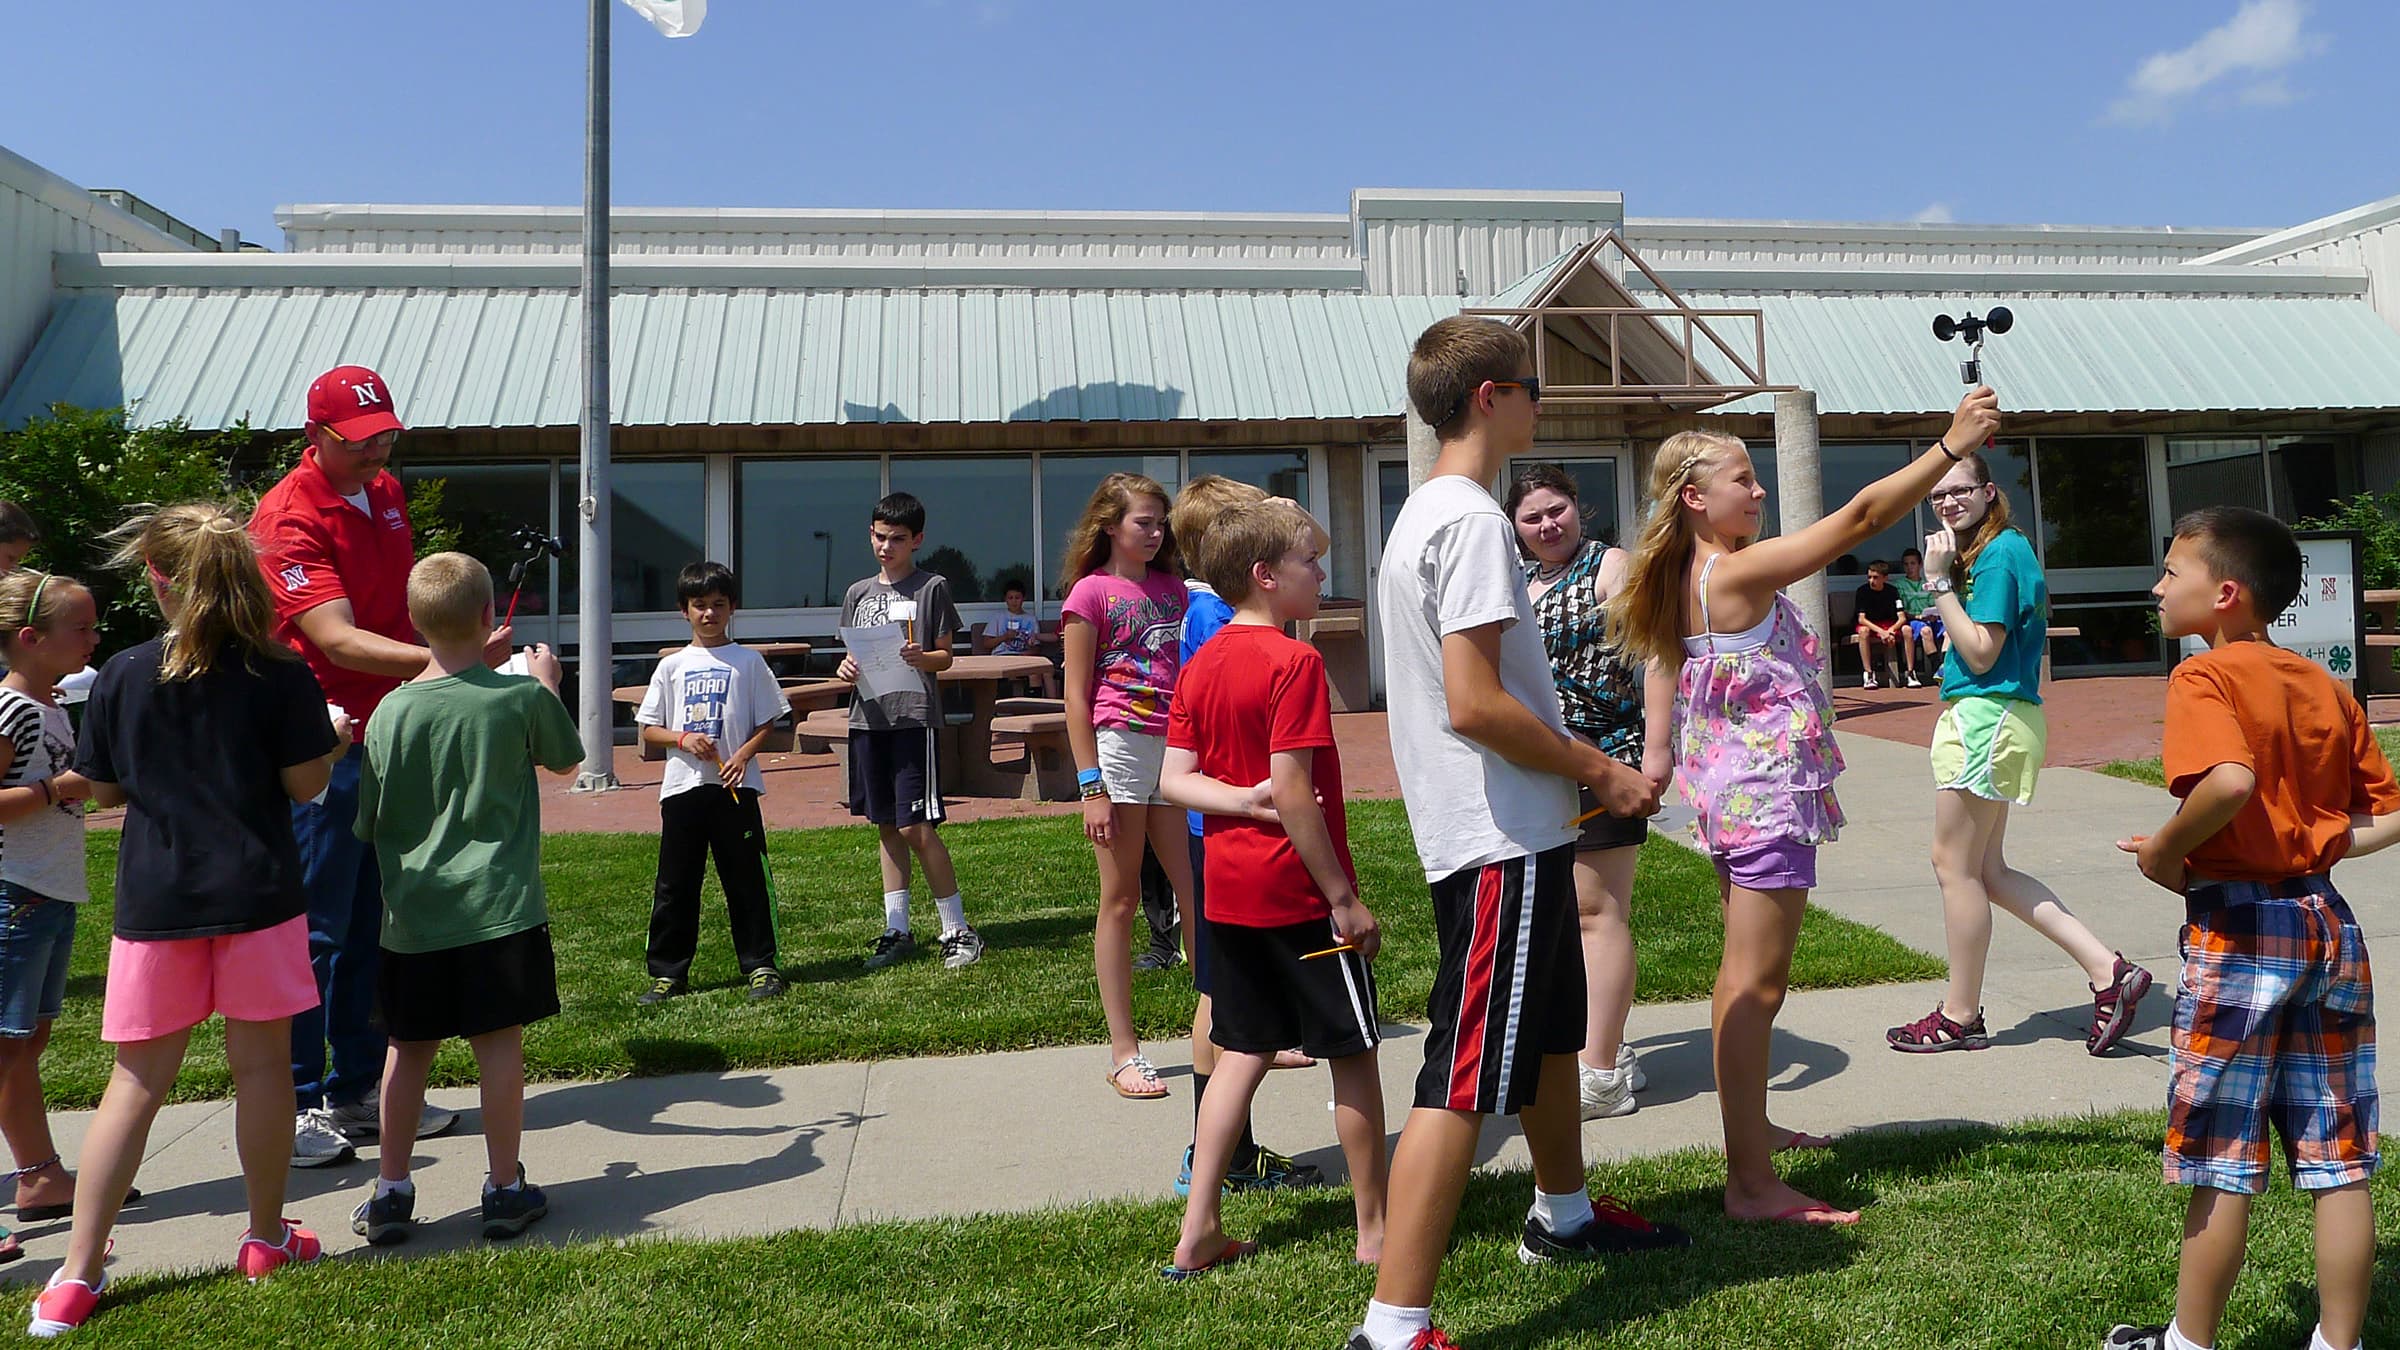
(2071, 1022)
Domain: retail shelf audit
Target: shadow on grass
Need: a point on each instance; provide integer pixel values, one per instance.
(2296, 1320)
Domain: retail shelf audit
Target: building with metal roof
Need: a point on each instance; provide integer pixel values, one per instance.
(773, 372)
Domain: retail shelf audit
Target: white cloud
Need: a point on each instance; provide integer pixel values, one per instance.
(2262, 40)
(1935, 213)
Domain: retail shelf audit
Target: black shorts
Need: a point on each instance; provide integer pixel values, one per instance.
(466, 991)
(1509, 988)
(1604, 830)
(1269, 999)
(895, 775)
(1196, 914)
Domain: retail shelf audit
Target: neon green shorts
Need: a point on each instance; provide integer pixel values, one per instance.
(1992, 747)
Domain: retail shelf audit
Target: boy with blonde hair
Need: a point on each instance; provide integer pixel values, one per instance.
(2280, 778)
(449, 801)
(1287, 938)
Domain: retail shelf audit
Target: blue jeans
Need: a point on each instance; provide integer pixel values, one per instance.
(345, 932)
(37, 937)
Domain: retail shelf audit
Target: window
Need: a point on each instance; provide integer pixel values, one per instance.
(2095, 501)
(978, 519)
(1595, 493)
(1067, 483)
(2311, 474)
(1283, 473)
(2112, 635)
(1848, 469)
(490, 503)
(800, 528)
(2214, 471)
(658, 524)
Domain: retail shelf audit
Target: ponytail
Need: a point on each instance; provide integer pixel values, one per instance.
(201, 553)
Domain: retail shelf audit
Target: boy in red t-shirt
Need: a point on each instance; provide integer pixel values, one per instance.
(1291, 944)
(2276, 1024)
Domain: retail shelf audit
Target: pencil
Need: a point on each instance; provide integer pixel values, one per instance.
(1345, 947)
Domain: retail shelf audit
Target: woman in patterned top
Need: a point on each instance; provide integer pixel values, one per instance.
(1601, 694)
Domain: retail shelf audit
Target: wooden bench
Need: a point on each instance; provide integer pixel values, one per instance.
(1048, 772)
(2054, 633)
(825, 731)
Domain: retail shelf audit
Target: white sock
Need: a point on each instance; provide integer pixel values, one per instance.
(2176, 1340)
(895, 910)
(1390, 1328)
(404, 1186)
(1562, 1214)
(953, 908)
(2317, 1341)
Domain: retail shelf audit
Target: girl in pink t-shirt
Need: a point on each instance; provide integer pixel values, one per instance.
(1122, 629)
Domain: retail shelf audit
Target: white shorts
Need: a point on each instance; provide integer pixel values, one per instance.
(1129, 765)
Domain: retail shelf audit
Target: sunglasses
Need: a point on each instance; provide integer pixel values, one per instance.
(386, 438)
(1531, 386)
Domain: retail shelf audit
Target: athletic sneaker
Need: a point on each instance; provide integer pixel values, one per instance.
(1914, 682)
(315, 1141)
(1631, 1065)
(2125, 1337)
(892, 948)
(1606, 1093)
(258, 1258)
(62, 1306)
(766, 983)
(662, 989)
(962, 948)
(1431, 1338)
(385, 1219)
(509, 1211)
(1613, 1229)
(363, 1119)
(2113, 1007)
(1870, 680)
(1265, 1170)
(1163, 955)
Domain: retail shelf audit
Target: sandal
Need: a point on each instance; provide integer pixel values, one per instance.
(2112, 1008)
(1291, 1059)
(1935, 1032)
(1145, 1075)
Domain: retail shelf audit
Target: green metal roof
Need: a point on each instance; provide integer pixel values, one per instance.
(507, 356)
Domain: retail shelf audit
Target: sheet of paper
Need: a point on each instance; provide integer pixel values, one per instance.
(903, 613)
(876, 650)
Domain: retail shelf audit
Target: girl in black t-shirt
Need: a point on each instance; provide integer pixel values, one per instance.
(208, 733)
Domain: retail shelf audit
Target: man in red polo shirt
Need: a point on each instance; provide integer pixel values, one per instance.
(334, 541)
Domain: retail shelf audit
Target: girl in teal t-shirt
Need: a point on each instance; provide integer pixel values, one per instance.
(1987, 752)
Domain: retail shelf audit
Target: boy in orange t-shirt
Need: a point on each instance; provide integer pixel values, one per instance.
(2276, 1025)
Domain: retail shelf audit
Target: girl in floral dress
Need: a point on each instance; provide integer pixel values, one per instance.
(1754, 749)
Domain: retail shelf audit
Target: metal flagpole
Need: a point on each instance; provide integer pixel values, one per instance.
(594, 640)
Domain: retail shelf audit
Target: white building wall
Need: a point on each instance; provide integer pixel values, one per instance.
(2377, 250)
(42, 214)
(1715, 243)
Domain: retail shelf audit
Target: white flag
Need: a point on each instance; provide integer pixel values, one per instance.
(675, 18)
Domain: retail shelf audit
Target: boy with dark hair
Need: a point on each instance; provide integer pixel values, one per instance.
(1488, 773)
(2276, 1026)
(894, 764)
(18, 535)
(449, 801)
(1882, 626)
(1286, 937)
(711, 695)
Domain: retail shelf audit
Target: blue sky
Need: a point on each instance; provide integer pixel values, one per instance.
(2190, 112)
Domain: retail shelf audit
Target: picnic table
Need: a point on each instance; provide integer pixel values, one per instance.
(966, 749)
(2383, 639)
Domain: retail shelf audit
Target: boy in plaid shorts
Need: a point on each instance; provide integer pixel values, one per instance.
(2275, 1025)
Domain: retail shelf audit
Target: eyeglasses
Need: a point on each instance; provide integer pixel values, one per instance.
(1940, 495)
(384, 439)
(1531, 386)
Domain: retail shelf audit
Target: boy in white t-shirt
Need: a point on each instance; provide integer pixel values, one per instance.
(1488, 773)
(709, 706)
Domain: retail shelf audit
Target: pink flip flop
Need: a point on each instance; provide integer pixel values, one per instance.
(1802, 1140)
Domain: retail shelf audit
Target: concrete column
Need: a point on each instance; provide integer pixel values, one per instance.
(1800, 502)
(1423, 449)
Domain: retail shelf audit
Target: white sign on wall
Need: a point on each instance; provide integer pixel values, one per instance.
(2322, 622)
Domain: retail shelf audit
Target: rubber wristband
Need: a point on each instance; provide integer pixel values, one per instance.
(1955, 457)
(1085, 778)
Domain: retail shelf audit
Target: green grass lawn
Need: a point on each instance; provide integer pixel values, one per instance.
(1029, 887)
(2037, 1237)
(2148, 770)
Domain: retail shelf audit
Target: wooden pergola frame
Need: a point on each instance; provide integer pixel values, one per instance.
(1698, 388)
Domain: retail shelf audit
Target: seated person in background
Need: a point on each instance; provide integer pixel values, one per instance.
(1882, 625)
(1924, 617)
(1019, 633)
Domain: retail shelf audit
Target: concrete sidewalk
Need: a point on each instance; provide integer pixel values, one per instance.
(710, 1155)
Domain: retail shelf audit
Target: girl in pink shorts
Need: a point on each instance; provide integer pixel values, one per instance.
(1754, 745)
(210, 732)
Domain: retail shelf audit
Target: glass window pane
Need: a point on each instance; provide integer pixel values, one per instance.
(1283, 473)
(1595, 493)
(489, 503)
(658, 522)
(1849, 468)
(2095, 508)
(800, 528)
(1762, 460)
(2311, 474)
(2194, 449)
(2113, 635)
(2192, 484)
(978, 519)
(1067, 483)
(1391, 492)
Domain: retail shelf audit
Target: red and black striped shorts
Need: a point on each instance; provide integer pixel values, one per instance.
(1510, 986)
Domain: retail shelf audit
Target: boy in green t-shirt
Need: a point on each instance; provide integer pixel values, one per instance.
(449, 801)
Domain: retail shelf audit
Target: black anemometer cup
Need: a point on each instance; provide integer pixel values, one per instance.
(1971, 330)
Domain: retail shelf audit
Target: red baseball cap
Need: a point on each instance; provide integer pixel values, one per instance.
(353, 402)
